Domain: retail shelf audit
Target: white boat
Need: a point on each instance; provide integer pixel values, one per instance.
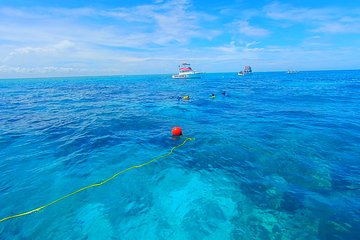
(247, 70)
(185, 71)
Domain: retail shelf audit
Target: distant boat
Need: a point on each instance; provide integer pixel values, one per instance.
(185, 71)
(247, 70)
(292, 71)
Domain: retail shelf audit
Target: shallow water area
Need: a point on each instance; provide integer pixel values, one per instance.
(275, 158)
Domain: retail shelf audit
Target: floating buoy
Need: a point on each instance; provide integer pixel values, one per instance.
(176, 131)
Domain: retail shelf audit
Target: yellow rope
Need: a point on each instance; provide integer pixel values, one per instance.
(96, 184)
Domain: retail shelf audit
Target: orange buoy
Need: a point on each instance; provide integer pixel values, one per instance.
(176, 131)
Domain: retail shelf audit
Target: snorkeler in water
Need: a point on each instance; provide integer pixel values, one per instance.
(179, 98)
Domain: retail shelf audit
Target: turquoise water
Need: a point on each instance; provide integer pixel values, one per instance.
(276, 158)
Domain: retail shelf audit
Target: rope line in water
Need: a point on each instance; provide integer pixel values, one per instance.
(96, 184)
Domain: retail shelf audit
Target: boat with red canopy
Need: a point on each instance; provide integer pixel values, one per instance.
(185, 71)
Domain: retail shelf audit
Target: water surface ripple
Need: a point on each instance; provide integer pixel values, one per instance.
(276, 158)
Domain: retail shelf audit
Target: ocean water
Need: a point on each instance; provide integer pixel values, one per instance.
(276, 158)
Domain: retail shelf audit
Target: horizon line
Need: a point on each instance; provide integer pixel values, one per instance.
(156, 74)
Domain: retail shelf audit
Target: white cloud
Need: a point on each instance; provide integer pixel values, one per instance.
(249, 44)
(287, 12)
(321, 20)
(315, 42)
(161, 24)
(51, 69)
(51, 49)
(237, 47)
(159, 1)
(252, 31)
(62, 45)
(228, 48)
(339, 27)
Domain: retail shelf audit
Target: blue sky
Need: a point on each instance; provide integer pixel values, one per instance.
(65, 38)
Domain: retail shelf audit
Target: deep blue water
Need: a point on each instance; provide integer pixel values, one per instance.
(277, 158)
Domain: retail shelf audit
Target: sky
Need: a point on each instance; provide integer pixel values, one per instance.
(41, 38)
